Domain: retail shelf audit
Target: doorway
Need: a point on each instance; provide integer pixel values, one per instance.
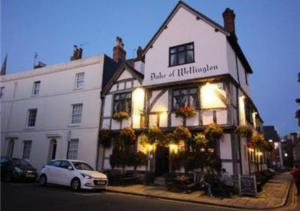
(161, 160)
(52, 149)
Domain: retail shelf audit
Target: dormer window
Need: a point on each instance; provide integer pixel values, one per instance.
(181, 54)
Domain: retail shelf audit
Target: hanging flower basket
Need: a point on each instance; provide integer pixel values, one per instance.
(200, 139)
(155, 135)
(182, 133)
(213, 132)
(244, 131)
(105, 136)
(258, 141)
(119, 116)
(185, 112)
(127, 134)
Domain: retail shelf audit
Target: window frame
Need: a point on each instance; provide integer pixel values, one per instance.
(72, 150)
(181, 51)
(72, 113)
(28, 153)
(124, 99)
(197, 107)
(29, 117)
(79, 84)
(34, 88)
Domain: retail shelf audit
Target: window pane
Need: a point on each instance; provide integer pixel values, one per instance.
(79, 80)
(190, 46)
(182, 54)
(31, 117)
(181, 48)
(181, 58)
(190, 56)
(173, 50)
(185, 97)
(122, 102)
(36, 87)
(73, 149)
(173, 59)
(27, 149)
(76, 113)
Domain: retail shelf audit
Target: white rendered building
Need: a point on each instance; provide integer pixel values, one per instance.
(54, 111)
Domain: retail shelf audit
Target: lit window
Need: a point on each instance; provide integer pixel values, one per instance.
(32, 117)
(122, 102)
(36, 88)
(182, 54)
(27, 149)
(185, 97)
(79, 81)
(72, 149)
(76, 113)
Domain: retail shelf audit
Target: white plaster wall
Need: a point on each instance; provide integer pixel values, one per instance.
(54, 104)
(153, 120)
(194, 121)
(244, 157)
(107, 110)
(231, 61)
(228, 166)
(225, 146)
(207, 117)
(210, 48)
(242, 76)
(175, 121)
(221, 117)
(161, 104)
(125, 75)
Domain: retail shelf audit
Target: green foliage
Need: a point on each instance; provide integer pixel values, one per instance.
(213, 132)
(244, 131)
(105, 137)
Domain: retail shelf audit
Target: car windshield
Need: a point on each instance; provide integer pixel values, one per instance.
(20, 162)
(82, 166)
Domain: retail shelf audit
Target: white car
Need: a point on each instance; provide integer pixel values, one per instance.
(74, 173)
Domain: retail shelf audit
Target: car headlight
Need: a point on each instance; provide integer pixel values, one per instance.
(18, 170)
(86, 176)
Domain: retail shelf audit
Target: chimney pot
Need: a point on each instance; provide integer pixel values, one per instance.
(229, 25)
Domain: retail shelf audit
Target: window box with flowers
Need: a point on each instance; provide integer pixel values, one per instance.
(185, 112)
(119, 116)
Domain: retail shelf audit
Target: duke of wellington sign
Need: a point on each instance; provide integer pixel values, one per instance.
(184, 72)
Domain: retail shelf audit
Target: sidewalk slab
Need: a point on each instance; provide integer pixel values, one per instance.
(273, 195)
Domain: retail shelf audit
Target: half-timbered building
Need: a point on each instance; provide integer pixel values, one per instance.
(190, 61)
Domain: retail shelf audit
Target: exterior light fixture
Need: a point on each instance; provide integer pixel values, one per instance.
(286, 155)
(173, 148)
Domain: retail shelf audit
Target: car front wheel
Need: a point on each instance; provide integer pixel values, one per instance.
(75, 184)
(43, 180)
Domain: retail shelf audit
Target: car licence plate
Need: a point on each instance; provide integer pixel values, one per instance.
(100, 182)
(30, 175)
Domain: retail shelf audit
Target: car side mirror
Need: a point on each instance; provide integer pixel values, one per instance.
(70, 168)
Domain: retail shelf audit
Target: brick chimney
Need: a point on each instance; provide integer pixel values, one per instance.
(229, 17)
(139, 53)
(119, 54)
(77, 53)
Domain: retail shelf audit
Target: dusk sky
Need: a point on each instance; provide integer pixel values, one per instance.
(268, 32)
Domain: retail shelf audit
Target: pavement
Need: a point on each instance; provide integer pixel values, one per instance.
(274, 195)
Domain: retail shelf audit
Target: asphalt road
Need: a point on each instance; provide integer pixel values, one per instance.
(31, 196)
(26, 196)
